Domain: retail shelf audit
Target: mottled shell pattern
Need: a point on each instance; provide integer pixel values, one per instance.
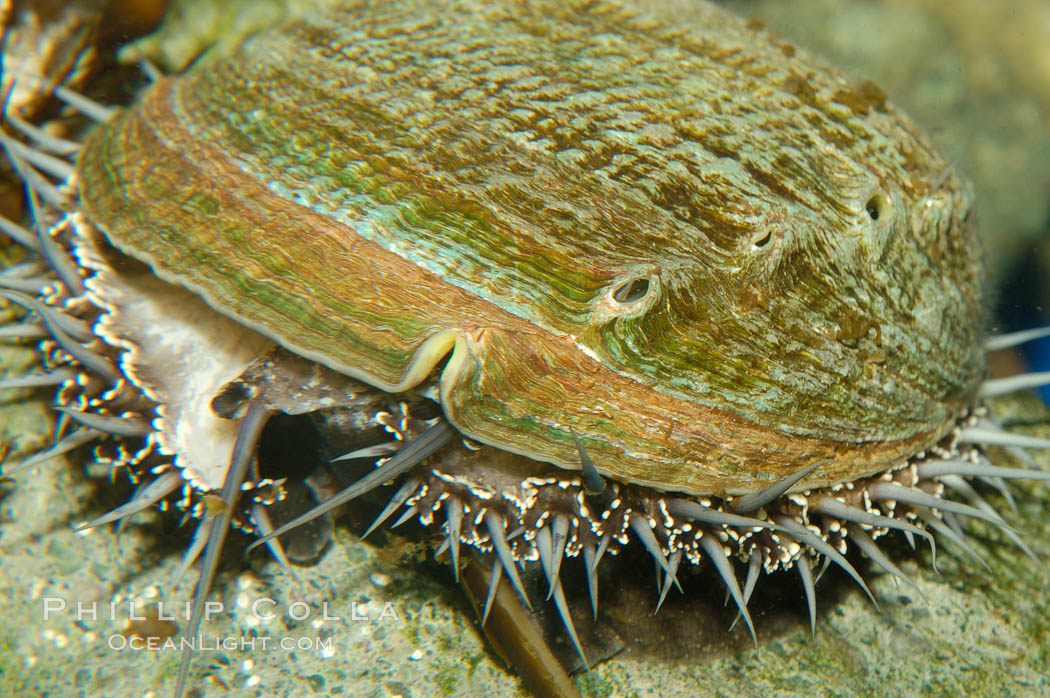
(716, 261)
(598, 272)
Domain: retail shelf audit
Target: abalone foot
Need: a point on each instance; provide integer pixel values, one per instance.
(517, 512)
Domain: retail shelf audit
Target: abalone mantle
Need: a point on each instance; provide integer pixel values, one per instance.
(375, 187)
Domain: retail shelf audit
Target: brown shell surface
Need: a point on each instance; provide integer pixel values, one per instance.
(711, 256)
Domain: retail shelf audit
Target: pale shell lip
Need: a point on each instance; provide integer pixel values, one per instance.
(177, 351)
